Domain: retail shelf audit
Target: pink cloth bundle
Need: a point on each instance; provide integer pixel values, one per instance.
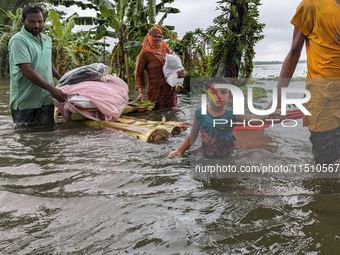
(110, 98)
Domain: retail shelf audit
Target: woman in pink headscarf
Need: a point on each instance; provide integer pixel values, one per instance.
(151, 60)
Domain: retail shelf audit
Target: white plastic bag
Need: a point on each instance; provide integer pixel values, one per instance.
(172, 65)
(81, 101)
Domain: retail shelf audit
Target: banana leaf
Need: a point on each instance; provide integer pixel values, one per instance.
(131, 109)
(139, 107)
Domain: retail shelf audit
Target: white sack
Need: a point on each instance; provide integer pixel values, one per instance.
(172, 65)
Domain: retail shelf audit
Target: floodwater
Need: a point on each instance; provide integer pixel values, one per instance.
(86, 190)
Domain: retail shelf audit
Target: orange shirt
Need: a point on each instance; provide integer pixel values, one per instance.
(319, 21)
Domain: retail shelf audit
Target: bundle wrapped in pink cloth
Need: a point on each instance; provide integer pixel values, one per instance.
(110, 98)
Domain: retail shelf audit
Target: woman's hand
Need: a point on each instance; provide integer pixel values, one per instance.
(140, 98)
(175, 154)
(181, 73)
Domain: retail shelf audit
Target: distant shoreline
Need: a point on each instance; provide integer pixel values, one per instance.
(273, 62)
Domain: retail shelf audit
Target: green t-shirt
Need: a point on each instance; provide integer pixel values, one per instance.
(25, 48)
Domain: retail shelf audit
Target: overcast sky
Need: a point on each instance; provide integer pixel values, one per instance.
(276, 14)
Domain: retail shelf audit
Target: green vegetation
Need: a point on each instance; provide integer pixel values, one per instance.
(258, 92)
(71, 50)
(226, 48)
(234, 35)
(139, 103)
(130, 21)
(7, 31)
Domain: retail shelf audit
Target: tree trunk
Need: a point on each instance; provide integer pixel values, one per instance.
(230, 64)
(203, 59)
(248, 59)
(4, 64)
(127, 66)
(122, 60)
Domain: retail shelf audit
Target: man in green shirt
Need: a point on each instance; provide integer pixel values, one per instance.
(32, 72)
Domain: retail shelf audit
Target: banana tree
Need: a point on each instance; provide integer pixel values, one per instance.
(235, 33)
(70, 49)
(108, 15)
(7, 31)
(129, 19)
(192, 49)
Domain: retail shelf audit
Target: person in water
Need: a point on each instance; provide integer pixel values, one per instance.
(151, 61)
(31, 72)
(317, 25)
(218, 141)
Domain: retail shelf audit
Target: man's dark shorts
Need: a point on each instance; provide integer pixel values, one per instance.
(326, 146)
(40, 116)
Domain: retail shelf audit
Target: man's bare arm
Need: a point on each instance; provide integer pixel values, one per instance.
(290, 63)
(55, 73)
(36, 79)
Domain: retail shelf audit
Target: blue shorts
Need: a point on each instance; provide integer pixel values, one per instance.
(326, 146)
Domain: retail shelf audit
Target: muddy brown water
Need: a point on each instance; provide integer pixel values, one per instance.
(85, 190)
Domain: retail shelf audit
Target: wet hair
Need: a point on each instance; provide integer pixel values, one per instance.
(31, 9)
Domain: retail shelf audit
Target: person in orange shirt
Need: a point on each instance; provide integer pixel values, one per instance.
(317, 24)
